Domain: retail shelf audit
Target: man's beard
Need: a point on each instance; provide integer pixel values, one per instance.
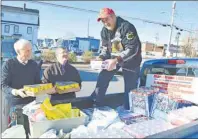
(109, 27)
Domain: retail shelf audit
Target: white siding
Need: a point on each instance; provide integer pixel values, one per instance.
(23, 20)
(20, 17)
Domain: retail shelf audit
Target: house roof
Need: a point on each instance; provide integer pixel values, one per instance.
(19, 9)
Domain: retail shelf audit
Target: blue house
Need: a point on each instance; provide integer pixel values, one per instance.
(79, 44)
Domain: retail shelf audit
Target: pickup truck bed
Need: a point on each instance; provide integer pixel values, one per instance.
(111, 100)
(115, 100)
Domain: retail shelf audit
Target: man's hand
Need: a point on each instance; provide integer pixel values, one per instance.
(31, 94)
(19, 92)
(53, 91)
(111, 64)
(98, 59)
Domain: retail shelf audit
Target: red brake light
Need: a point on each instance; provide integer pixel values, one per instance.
(174, 61)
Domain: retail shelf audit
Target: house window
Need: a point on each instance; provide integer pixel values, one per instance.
(7, 29)
(29, 30)
(16, 29)
(2, 14)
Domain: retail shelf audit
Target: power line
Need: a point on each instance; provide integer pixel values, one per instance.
(93, 11)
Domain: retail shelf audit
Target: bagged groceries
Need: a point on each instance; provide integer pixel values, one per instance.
(89, 112)
(147, 128)
(101, 119)
(38, 115)
(67, 87)
(34, 112)
(16, 131)
(104, 123)
(37, 89)
(84, 132)
(183, 115)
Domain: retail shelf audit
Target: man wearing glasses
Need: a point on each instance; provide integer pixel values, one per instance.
(61, 71)
(120, 37)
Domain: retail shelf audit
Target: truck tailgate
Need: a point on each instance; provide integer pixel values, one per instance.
(111, 100)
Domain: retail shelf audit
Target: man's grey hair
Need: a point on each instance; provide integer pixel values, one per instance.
(57, 52)
(20, 44)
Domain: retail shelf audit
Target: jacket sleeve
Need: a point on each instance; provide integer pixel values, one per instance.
(37, 76)
(6, 78)
(46, 76)
(130, 41)
(77, 77)
(105, 51)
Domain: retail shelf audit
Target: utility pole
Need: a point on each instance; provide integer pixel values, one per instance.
(177, 38)
(156, 40)
(190, 35)
(171, 30)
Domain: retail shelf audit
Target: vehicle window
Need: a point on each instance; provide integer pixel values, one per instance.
(190, 72)
(182, 72)
(195, 71)
(159, 71)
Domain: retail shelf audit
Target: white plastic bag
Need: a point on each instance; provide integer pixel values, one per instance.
(30, 108)
(16, 131)
(102, 119)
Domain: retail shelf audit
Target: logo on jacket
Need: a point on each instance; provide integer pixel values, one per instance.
(130, 36)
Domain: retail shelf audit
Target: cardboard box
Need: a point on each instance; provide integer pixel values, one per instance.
(182, 86)
(67, 87)
(39, 128)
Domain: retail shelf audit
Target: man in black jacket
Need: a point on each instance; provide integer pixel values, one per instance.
(120, 37)
(16, 73)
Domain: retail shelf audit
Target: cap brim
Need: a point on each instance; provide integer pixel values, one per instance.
(98, 19)
(101, 17)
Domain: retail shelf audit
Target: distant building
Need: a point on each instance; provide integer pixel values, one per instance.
(19, 22)
(82, 44)
(149, 48)
(174, 49)
(40, 43)
(88, 44)
(48, 42)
